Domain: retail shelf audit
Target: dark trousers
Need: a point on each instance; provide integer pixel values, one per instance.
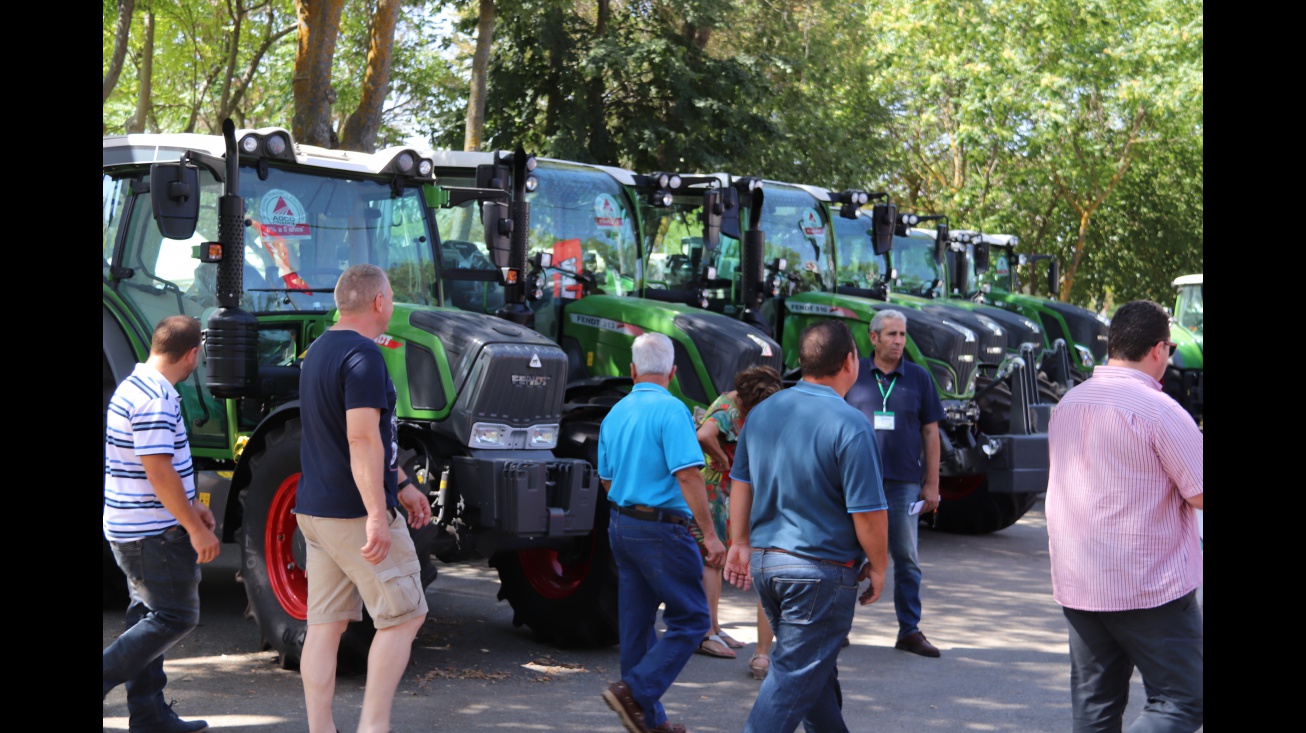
(1164, 643)
(163, 579)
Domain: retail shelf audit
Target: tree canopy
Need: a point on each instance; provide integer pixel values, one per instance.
(1076, 124)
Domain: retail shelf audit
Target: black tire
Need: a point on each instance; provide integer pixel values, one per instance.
(273, 565)
(980, 511)
(569, 600)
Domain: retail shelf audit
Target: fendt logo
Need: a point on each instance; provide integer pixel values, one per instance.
(526, 380)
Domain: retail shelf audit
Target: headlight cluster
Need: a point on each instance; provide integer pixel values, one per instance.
(494, 436)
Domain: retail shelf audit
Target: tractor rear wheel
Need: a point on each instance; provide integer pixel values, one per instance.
(272, 557)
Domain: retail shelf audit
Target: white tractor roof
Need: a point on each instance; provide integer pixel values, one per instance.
(1187, 280)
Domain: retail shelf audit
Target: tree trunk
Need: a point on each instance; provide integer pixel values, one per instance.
(1068, 277)
(600, 143)
(319, 27)
(122, 30)
(137, 122)
(480, 74)
(360, 129)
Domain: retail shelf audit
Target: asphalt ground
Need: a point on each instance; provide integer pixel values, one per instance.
(987, 605)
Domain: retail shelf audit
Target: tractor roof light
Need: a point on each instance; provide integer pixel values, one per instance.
(748, 184)
(407, 162)
(660, 198)
(250, 144)
(531, 183)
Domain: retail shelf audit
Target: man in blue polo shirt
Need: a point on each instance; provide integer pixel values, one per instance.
(903, 406)
(806, 506)
(649, 462)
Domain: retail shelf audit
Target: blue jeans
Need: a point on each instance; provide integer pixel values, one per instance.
(657, 563)
(903, 531)
(810, 606)
(1166, 645)
(163, 580)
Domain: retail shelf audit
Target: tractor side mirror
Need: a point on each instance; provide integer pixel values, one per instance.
(884, 218)
(1054, 277)
(713, 212)
(981, 257)
(175, 197)
(498, 232)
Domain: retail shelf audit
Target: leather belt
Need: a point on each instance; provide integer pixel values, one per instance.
(848, 564)
(650, 514)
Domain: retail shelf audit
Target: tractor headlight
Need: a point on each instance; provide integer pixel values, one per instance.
(943, 376)
(1085, 356)
(489, 435)
(544, 436)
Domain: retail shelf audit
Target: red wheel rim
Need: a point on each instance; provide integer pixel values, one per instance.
(549, 576)
(954, 488)
(289, 583)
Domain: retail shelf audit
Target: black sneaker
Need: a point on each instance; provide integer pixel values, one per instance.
(167, 722)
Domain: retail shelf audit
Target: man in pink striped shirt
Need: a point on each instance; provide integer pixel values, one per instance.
(1125, 481)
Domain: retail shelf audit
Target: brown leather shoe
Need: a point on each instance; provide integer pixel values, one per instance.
(668, 727)
(620, 699)
(916, 643)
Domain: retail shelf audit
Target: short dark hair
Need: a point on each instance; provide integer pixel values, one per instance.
(823, 346)
(174, 336)
(1136, 327)
(755, 384)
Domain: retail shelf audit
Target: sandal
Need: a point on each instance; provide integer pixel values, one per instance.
(730, 641)
(703, 647)
(759, 665)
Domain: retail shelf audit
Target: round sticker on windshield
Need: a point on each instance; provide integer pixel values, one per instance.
(812, 224)
(606, 211)
(281, 215)
(1002, 266)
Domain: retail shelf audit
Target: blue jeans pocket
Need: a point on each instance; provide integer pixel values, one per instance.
(799, 598)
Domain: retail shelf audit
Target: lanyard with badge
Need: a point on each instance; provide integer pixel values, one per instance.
(884, 418)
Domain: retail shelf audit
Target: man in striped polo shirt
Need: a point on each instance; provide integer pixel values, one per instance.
(157, 528)
(1124, 487)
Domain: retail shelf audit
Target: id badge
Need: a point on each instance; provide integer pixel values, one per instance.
(884, 421)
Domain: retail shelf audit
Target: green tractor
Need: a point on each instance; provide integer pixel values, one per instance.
(248, 232)
(985, 271)
(915, 274)
(589, 285)
(1183, 376)
(777, 268)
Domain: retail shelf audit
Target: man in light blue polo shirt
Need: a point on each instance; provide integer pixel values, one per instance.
(649, 462)
(806, 506)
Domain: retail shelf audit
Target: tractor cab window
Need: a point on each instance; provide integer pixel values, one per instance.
(673, 237)
(859, 266)
(998, 277)
(918, 273)
(1189, 309)
(798, 231)
(583, 218)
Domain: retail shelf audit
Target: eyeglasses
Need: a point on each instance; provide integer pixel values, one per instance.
(1171, 344)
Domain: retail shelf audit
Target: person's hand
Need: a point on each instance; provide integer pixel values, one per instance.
(737, 566)
(206, 515)
(872, 592)
(418, 508)
(378, 538)
(930, 493)
(716, 551)
(206, 544)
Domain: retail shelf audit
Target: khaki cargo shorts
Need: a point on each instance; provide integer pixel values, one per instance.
(340, 581)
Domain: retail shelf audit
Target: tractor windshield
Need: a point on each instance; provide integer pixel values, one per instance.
(859, 266)
(797, 231)
(302, 232)
(1188, 308)
(918, 273)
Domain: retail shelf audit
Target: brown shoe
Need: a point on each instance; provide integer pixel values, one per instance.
(668, 727)
(620, 699)
(916, 643)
